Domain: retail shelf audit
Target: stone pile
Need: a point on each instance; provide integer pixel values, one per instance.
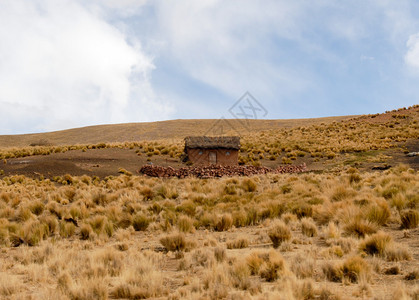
(217, 171)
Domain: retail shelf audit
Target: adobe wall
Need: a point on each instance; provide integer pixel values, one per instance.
(222, 157)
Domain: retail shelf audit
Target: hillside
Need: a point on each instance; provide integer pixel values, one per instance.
(365, 142)
(173, 129)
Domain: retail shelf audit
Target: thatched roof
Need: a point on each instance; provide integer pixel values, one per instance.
(207, 142)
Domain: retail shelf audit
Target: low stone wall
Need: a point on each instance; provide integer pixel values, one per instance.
(217, 171)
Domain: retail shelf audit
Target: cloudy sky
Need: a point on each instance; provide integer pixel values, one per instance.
(67, 64)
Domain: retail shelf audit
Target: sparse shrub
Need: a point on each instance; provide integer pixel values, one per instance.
(219, 254)
(23, 214)
(395, 270)
(254, 262)
(286, 160)
(33, 232)
(303, 210)
(289, 218)
(360, 227)
(252, 216)
(125, 172)
(379, 214)
(345, 244)
(332, 271)
(376, 244)
(334, 251)
(224, 223)
(174, 242)
(308, 227)
(185, 224)
(100, 198)
(274, 267)
(147, 193)
(354, 178)
(125, 220)
(278, 233)
(249, 185)
(340, 193)
(399, 201)
(67, 229)
(98, 224)
(86, 232)
(4, 237)
(397, 253)
(155, 208)
(239, 243)
(140, 222)
(332, 231)
(240, 275)
(239, 218)
(187, 207)
(286, 189)
(414, 275)
(354, 267)
(207, 220)
(330, 155)
(37, 207)
(303, 267)
(391, 191)
(51, 222)
(409, 219)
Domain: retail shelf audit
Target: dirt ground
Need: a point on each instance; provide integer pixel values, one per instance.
(94, 162)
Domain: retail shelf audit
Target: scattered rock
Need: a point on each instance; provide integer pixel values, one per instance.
(214, 171)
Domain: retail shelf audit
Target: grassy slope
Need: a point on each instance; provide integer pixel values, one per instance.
(153, 130)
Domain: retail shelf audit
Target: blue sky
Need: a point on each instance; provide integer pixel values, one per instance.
(67, 64)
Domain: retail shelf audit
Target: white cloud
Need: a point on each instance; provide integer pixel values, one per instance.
(62, 65)
(226, 44)
(412, 55)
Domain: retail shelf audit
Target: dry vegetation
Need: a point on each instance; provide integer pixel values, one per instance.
(336, 235)
(305, 236)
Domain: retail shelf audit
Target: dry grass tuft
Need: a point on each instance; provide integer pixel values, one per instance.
(360, 227)
(332, 271)
(331, 231)
(409, 219)
(414, 275)
(274, 266)
(356, 267)
(376, 244)
(308, 227)
(220, 254)
(224, 223)
(254, 262)
(397, 253)
(185, 224)
(239, 243)
(379, 213)
(140, 222)
(302, 266)
(86, 232)
(278, 233)
(174, 242)
(395, 270)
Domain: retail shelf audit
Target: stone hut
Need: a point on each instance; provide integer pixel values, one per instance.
(218, 150)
